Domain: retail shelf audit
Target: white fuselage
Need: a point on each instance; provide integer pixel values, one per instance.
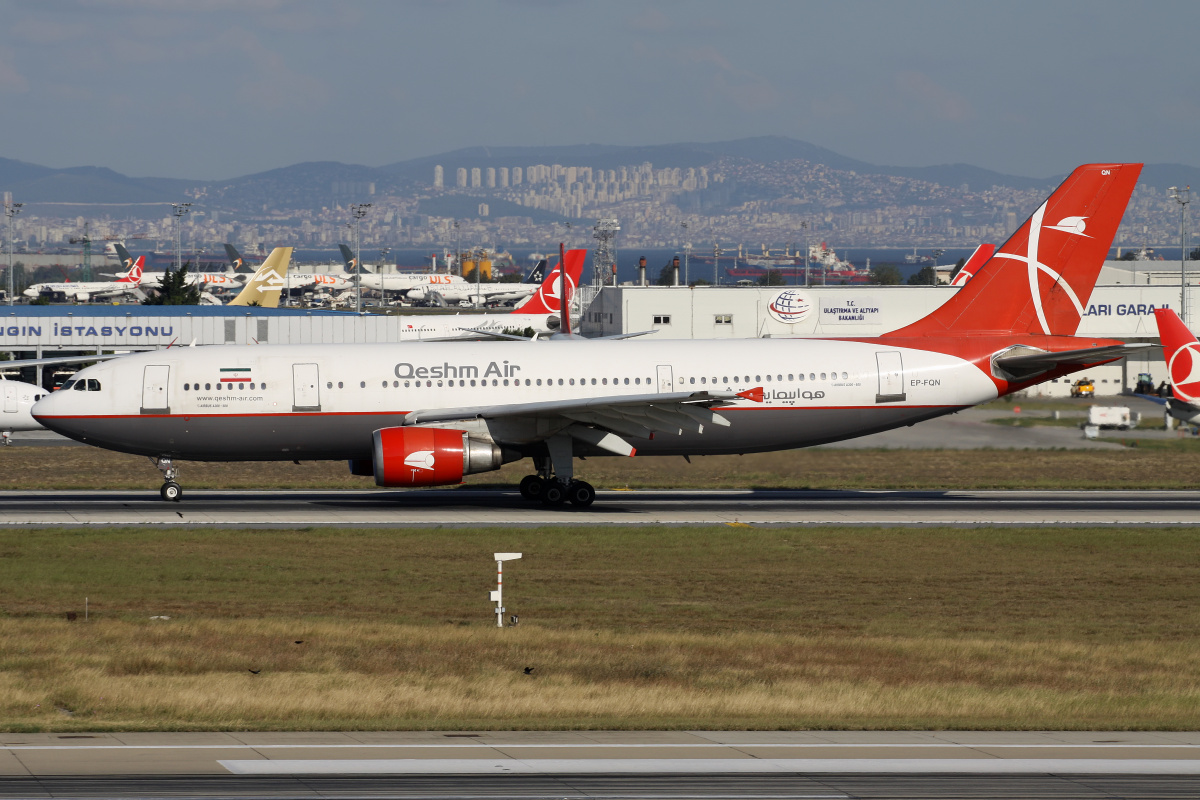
(403, 282)
(273, 402)
(82, 290)
(467, 292)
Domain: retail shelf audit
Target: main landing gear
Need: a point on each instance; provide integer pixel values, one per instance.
(170, 491)
(553, 484)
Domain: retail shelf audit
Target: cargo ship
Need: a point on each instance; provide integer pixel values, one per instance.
(822, 260)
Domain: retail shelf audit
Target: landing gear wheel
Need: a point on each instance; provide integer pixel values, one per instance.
(171, 491)
(531, 487)
(581, 494)
(553, 494)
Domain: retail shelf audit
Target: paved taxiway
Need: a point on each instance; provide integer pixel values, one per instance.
(506, 507)
(824, 764)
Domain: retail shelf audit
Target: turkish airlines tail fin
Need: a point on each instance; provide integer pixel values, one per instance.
(972, 264)
(133, 266)
(263, 288)
(1181, 351)
(538, 273)
(1039, 281)
(236, 262)
(546, 299)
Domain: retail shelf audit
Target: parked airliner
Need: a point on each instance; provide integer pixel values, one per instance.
(427, 415)
(18, 400)
(83, 291)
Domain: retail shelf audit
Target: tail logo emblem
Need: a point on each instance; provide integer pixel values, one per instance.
(549, 294)
(1071, 225)
(1185, 371)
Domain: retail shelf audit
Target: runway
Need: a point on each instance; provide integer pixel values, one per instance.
(599, 764)
(506, 507)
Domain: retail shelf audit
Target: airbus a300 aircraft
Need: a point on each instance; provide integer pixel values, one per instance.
(427, 415)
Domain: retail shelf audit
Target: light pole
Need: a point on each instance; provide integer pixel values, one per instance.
(1183, 197)
(936, 255)
(686, 247)
(10, 211)
(804, 227)
(359, 210)
(716, 264)
(178, 210)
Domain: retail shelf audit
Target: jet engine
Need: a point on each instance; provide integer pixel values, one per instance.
(416, 456)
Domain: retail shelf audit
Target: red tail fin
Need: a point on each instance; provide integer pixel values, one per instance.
(972, 265)
(134, 275)
(1181, 351)
(546, 299)
(1040, 280)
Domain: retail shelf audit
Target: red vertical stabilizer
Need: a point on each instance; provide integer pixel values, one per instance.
(1040, 280)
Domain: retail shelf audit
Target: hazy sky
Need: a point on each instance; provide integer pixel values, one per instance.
(214, 89)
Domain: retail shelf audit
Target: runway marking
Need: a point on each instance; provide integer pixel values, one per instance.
(604, 746)
(718, 766)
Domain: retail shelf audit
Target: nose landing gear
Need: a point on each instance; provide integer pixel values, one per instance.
(170, 490)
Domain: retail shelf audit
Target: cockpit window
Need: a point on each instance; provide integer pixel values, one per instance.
(93, 385)
(68, 384)
(81, 386)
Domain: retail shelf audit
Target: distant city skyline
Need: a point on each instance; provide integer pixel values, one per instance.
(213, 89)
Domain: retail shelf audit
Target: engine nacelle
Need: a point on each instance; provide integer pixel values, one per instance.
(416, 456)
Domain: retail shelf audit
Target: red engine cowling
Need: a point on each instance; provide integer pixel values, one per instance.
(415, 456)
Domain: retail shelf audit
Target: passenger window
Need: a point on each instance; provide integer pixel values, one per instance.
(339, 384)
(593, 381)
(472, 383)
(704, 380)
(187, 387)
(329, 385)
(812, 376)
(406, 385)
(385, 384)
(822, 376)
(844, 376)
(638, 381)
(603, 380)
(539, 381)
(800, 377)
(768, 379)
(506, 381)
(560, 381)
(362, 384)
(724, 380)
(208, 387)
(572, 381)
(395, 384)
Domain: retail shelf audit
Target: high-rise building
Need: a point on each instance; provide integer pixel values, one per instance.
(476, 177)
(461, 177)
(438, 177)
(504, 177)
(491, 177)
(516, 176)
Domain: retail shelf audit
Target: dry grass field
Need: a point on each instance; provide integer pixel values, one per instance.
(1167, 464)
(647, 627)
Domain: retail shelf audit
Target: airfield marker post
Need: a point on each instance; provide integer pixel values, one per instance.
(497, 596)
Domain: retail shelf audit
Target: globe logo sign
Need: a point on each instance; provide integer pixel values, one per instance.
(790, 306)
(1185, 371)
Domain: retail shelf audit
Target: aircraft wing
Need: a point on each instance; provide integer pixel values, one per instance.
(604, 422)
(1027, 364)
(46, 362)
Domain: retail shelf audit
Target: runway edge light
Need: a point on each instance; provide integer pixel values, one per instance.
(497, 596)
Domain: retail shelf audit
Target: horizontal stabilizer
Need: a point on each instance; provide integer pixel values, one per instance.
(1025, 364)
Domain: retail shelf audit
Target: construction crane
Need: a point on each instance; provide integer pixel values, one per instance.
(86, 240)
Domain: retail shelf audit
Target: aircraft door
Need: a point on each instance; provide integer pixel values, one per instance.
(666, 379)
(306, 387)
(155, 380)
(891, 378)
(10, 396)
